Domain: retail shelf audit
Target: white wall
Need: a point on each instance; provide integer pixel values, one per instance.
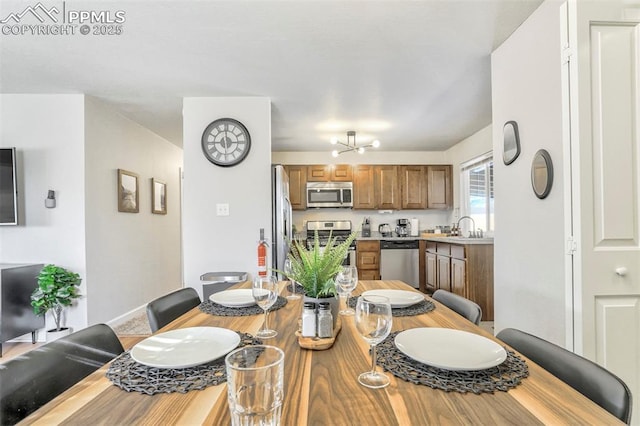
(225, 243)
(132, 258)
(48, 132)
(529, 237)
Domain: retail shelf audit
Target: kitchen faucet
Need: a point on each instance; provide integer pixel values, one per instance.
(472, 233)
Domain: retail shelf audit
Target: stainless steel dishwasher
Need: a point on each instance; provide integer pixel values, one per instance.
(399, 261)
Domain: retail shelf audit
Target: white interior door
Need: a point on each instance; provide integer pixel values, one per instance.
(607, 291)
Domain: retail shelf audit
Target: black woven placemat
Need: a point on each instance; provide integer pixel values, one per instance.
(213, 308)
(417, 309)
(131, 376)
(505, 376)
(299, 288)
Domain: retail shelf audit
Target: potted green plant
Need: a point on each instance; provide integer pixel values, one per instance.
(316, 268)
(57, 289)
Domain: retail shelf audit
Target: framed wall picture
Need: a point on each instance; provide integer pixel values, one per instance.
(511, 142)
(158, 197)
(128, 193)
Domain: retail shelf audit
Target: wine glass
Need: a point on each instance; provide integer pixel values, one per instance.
(373, 322)
(287, 271)
(346, 282)
(265, 293)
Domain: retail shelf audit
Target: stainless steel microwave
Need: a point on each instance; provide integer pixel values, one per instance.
(330, 194)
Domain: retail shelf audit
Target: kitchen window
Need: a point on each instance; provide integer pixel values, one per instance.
(477, 192)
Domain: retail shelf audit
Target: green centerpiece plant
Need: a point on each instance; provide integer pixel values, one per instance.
(57, 289)
(315, 268)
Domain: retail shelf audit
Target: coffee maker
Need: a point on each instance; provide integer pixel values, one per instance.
(403, 227)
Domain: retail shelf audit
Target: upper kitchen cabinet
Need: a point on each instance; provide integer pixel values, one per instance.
(363, 192)
(376, 187)
(439, 189)
(414, 187)
(297, 186)
(330, 173)
(387, 187)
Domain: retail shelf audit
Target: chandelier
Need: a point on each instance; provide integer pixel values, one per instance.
(351, 144)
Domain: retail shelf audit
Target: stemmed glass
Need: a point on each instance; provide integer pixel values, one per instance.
(287, 271)
(373, 322)
(346, 282)
(265, 293)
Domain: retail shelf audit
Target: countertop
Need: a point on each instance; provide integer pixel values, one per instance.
(453, 240)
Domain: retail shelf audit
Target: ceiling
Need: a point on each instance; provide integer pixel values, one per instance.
(414, 74)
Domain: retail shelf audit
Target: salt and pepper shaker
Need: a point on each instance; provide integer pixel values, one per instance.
(325, 320)
(309, 319)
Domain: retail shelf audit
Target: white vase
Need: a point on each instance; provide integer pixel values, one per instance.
(55, 334)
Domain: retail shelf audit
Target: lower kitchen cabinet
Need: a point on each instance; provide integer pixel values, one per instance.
(463, 269)
(443, 272)
(368, 259)
(431, 272)
(459, 276)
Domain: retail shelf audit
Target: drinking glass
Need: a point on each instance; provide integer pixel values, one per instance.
(373, 322)
(265, 293)
(287, 271)
(255, 385)
(346, 282)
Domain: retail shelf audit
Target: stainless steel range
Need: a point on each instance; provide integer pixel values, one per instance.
(338, 229)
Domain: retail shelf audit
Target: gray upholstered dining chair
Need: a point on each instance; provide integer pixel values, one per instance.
(590, 379)
(34, 378)
(165, 309)
(461, 305)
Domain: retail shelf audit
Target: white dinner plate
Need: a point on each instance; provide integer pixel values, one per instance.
(450, 349)
(185, 347)
(398, 298)
(238, 298)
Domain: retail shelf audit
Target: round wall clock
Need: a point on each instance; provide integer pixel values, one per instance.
(226, 142)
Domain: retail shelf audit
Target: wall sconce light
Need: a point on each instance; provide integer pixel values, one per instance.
(50, 201)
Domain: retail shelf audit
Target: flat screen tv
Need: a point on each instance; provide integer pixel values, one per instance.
(8, 187)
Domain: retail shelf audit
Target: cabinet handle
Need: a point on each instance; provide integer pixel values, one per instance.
(621, 271)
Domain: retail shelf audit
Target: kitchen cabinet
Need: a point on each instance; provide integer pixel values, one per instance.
(443, 271)
(458, 276)
(297, 186)
(432, 274)
(363, 187)
(376, 187)
(387, 187)
(330, 173)
(368, 259)
(463, 269)
(413, 187)
(427, 267)
(439, 187)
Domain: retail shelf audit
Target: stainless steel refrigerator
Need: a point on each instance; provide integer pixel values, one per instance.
(281, 218)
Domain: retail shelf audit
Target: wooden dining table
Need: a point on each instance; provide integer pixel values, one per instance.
(321, 387)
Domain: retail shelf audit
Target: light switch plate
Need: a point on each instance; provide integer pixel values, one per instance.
(222, 209)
